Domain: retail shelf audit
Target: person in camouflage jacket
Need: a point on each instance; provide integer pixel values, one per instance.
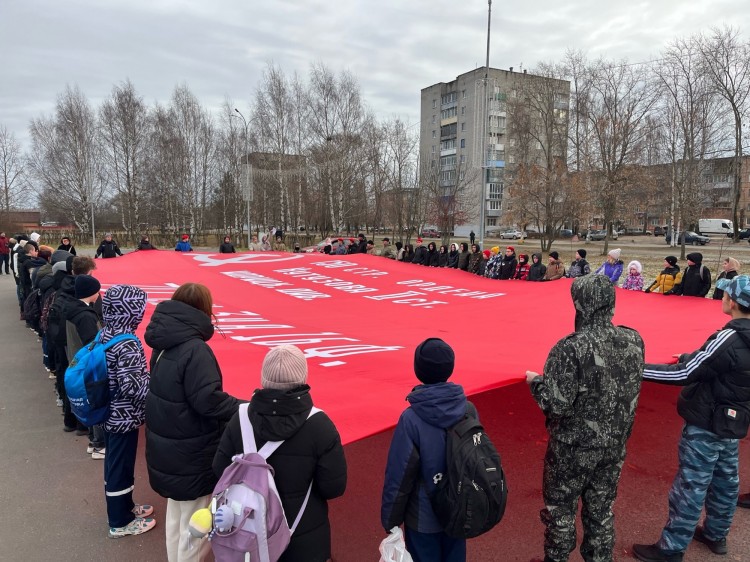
(589, 393)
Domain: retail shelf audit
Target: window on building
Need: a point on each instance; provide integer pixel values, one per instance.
(461, 174)
(511, 159)
(463, 143)
(434, 104)
(433, 149)
(448, 98)
(433, 118)
(496, 190)
(463, 94)
(491, 221)
(448, 144)
(463, 126)
(463, 159)
(463, 109)
(448, 113)
(434, 133)
(495, 205)
(448, 161)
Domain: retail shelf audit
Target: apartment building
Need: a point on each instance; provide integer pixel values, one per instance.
(467, 138)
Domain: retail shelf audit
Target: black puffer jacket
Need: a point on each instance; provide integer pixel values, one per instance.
(311, 451)
(186, 408)
(696, 280)
(716, 374)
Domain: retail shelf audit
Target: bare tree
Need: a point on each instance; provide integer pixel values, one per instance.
(689, 116)
(125, 131)
(66, 159)
(12, 170)
(538, 186)
(726, 60)
(622, 97)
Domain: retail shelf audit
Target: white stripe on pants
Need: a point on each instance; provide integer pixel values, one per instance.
(181, 547)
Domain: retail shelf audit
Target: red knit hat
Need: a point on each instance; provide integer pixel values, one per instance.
(487, 254)
(185, 236)
(511, 248)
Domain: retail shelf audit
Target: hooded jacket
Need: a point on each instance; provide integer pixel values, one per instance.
(186, 408)
(592, 377)
(475, 261)
(537, 269)
(453, 258)
(634, 281)
(522, 269)
(696, 280)
(311, 451)
(227, 248)
(731, 274)
(432, 256)
(716, 375)
(463, 260)
(123, 307)
(443, 256)
(417, 453)
(420, 255)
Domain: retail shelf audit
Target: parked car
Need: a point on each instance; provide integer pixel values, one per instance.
(512, 234)
(430, 233)
(595, 235)
(566, 233)
(348, 241)
(744, 234)
(660, 230)
(691, 238)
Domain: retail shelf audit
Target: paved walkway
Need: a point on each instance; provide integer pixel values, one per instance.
(52, 496)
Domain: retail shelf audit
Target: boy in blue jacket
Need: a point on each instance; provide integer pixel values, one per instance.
(417, 454)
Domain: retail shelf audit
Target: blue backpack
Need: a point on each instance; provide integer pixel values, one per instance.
(87, 382)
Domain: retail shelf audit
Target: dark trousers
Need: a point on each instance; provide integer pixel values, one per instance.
(69, 418)
(434, 547)
(5, 264)
(119, 479)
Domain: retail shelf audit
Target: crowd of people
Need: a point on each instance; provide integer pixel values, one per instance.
(588, 391)
(504, 264)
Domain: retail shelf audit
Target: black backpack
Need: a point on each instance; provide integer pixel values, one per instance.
(470, 497)
(32, 308)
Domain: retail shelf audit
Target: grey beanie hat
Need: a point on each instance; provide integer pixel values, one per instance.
(59, 266)
(284, 368)
(59, 255)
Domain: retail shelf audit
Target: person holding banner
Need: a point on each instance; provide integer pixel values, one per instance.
(186, 410)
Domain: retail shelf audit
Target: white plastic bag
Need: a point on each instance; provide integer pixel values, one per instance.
(393, 547)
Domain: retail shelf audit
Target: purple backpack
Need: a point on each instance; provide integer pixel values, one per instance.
(259, 530)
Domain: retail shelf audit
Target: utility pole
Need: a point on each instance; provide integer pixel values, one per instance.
(485, 129)
(247, 188)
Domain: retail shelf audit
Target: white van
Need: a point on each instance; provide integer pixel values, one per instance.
(719, 227)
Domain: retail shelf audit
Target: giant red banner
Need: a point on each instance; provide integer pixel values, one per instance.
(358, 319)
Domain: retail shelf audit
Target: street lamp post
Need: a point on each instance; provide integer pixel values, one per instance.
(485, 132)
(247, 190)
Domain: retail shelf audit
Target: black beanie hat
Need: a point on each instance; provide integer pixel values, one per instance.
(433, 361)
(581, 252)
(554, 255)
(86, 286)
(671, 260)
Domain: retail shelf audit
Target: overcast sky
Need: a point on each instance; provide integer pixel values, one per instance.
(395, 47)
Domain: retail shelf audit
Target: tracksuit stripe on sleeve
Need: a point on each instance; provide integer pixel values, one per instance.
(694, 363)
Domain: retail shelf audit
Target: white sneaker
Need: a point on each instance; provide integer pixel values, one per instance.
(98, 454)
(90, 448)
(135, 527)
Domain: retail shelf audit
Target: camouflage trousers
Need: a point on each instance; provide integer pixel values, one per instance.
(590, 475)
(708, 473)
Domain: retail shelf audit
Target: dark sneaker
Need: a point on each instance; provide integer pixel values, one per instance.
(68, 429)
(717, 547)
(652, 553)
(744, 501)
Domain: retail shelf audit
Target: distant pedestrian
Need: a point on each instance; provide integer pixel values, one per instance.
(4, 254)
(472, 237)
(227, 247)
(184, 244)
(108, 248)
(66, 245)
